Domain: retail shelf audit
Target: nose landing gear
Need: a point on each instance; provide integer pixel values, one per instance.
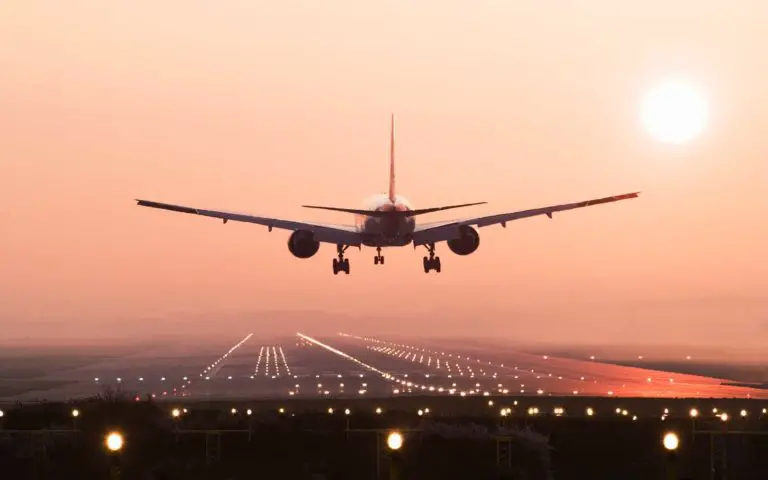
(341, 264)
(378, 259)
(431, 262)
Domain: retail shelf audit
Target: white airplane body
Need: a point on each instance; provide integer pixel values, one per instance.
(386, 220)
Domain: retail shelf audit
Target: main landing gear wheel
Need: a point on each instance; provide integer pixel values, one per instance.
(431, 262)
(341, 264)
(378, 259)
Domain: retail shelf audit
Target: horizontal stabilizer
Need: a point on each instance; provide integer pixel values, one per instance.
(403, 213)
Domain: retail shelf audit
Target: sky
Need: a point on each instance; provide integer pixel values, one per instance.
(260, 107)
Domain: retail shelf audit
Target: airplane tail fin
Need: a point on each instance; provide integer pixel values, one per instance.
(392, 159)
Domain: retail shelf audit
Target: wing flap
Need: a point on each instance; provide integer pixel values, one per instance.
(450, 230)
(343, 234)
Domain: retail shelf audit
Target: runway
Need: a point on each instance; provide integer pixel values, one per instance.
(347, 365)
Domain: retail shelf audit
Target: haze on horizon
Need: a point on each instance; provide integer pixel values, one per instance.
(260, 107)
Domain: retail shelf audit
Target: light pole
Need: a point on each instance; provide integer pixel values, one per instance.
(114, 442)
(671, 443)
(394, 443)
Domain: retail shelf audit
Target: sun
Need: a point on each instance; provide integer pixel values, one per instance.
(675, 112)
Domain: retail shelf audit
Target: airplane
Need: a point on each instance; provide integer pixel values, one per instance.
(386, 220)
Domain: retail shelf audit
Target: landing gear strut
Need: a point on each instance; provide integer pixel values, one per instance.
(341, 264)
(378, 259)
(431, 262)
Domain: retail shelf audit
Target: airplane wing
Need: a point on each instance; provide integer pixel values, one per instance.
(449, 230)
(343, 234)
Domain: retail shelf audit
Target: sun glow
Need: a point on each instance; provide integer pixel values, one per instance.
(675, 112)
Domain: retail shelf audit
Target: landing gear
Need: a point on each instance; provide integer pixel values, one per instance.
(341, 264)
(431, 262)
(378, 259)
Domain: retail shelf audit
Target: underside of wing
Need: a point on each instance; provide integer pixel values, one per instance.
(449, 230)
(337, 234)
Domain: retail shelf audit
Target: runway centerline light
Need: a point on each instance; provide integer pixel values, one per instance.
(671, 441)
(114, 442)
(394, 440)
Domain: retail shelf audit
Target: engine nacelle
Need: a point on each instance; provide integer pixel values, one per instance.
(467, 242)
(302, 244)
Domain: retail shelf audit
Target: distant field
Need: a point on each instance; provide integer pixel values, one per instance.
(29, 365)
(10, 388)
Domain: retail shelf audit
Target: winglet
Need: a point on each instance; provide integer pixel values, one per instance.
(392, 159)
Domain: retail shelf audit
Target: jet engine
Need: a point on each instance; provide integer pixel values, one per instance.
(467, 242)
(302, 244)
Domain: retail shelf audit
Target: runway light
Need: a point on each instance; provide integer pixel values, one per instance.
(234, 411)
(765, 411)
(724, 417)
(249, 412)
(2, 414)
(590, 411)
(394, 441)
(75, 413)
(281, 410)
(378, 410)
(421, 412)
(744, 413)
(694, 413)
(634, 418)
(330, 411)
(175, 413)
(114, 442)
(346, 411)
(490, 403)
(671, 441)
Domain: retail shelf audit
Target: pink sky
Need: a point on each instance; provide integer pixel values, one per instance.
(261, 106)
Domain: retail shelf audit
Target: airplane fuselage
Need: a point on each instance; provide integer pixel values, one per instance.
(394, 231)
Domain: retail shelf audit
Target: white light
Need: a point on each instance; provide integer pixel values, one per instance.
(743, 413)
(114, 442)
(75, 413)
(590, 412)
(671, 441)
(175, 413)
(694, 413)
(394, 441)
(249, 412)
